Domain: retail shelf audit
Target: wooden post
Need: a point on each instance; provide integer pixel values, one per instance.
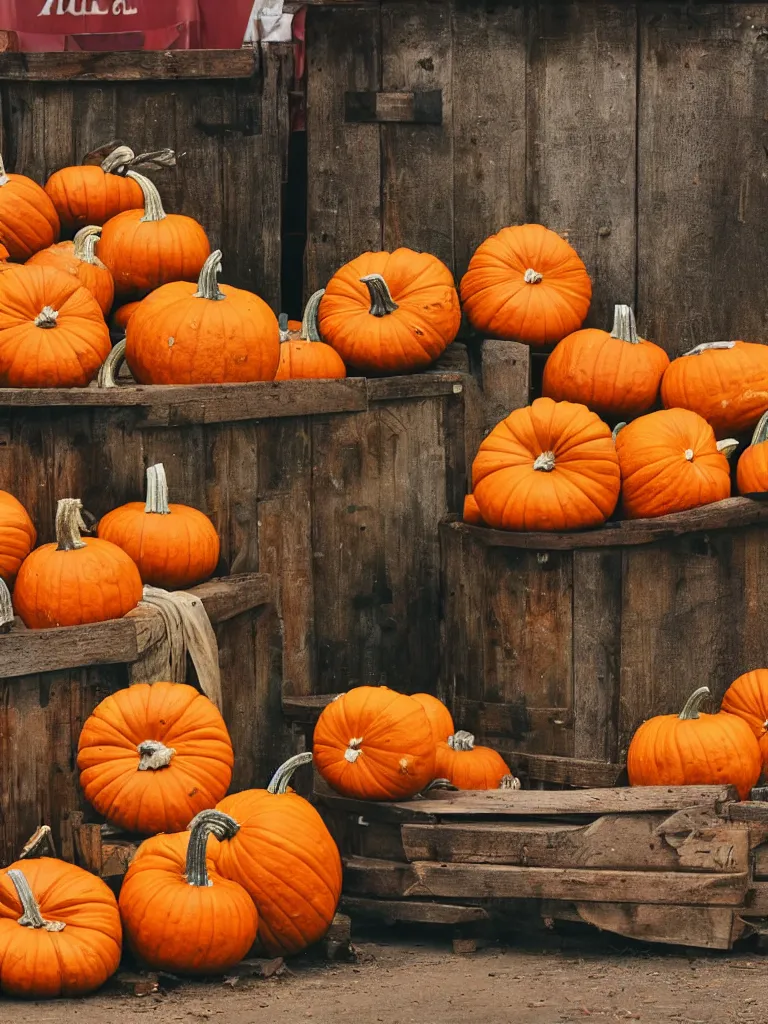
(505, 379)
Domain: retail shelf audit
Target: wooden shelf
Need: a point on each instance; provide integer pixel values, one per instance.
(129, 65)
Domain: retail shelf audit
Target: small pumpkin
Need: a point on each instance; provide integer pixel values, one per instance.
(52, 331)
(375, 744)
(119, 319)
(178, 912)
(469, 767)
(726, 382)
(28, 220)
(549, 466)
(472, 514)
(527, 284)
(307, 356)
(752, 470)
(17, 536)
(439, 716)
(613, 374)
(146, 248)
(4, 260)
(75, 581)
(671, 462)
(694, 749)
(204, 334)
(60, 932)
(390, 312)
(285, 857)
(79, 259)
(747, 697)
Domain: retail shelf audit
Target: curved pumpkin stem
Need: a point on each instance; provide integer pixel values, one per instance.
(693, 704)
(153, 204)
(282, 326)
(709, 346)
(118, 161)
(440, 784)
(728, 446)
(110, 368)
(461, 740)
(31, 918)
(122, 158)
(616, 429)
(157, 490)
(624, 327)
(761, 430)
(4, 179)
(6, 607)
(207, 285)
(282, 777)
(86, 241)
(69, 523)
(205, 824)
(153, 755)
(382, 302)
(309, 328)
(545, 462)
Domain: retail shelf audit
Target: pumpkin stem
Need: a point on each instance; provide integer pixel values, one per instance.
(69, 523)
(624, 327)
(709, 346)
(282, 326)
(545, 462)
(123, 157)
(510, 782)
(461, 740)
(309, 329)
(353, 750)
(31, 918)
(118, 161)
(282, 777)
(439, 784)
(6, 607)
(157, 490)
(532, 276)
(761, 430)
(688, 454)
(728, 446)
(4, 179)
(47, 317)
(382, 302)
(693, 704)
(154, 755)
(616, 429)
(207, 285)
(110, 368)
(153, 204)
(86, 240)
(204, 824)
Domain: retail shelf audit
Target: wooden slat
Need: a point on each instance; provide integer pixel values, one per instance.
(417, 385)
(506, 379)
(411, 911)
(125, 66)
(306, 709)
(565, 771)
(422, 107)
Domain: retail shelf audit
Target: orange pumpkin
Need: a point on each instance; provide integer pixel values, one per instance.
(390, 312)
(375, 744)
(550, 466)
(613, 374)
(671, 462)
(28, 220)
(693, 749)
(438, 714)
(752, 470)
(307, 356)
(726, 382)
(4, 256)
(204, 334)
(75, 581)
(747, 697)
(87, 194)
(79, 259)
(17, 536)
(119, 319)
(469, 767)
(60, 932)
(146, 248)
(527, 284)
(472, 511)
(52, 332)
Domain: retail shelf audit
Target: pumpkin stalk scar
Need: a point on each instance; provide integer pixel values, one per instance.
(157, 491)
(693, 704)
(31, 918)
(382, 302)
(47, 317)
(207, 285)
(281, 779)
(204, 824)
(532, 276)
(545, 462)
(69, 523)
(353, 751)
(461, 740)
(624, 327)
(153, 755)
(688, 454)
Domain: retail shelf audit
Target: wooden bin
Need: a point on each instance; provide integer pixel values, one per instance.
(558, 646)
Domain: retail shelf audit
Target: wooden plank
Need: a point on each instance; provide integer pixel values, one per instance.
(760, 863)
(125, 66)
(357, 836)
(417, 385)
(696, 927)
(225, 598)
(305, 709)
(505, 379)
(368, 811)
(564, 771)
(411, 911)
(117, 856)
(422, 107)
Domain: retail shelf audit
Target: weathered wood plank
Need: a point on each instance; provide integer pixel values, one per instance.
(417, 385)
(505, 379)
(411, 911)
(565, 771)
(125, 66)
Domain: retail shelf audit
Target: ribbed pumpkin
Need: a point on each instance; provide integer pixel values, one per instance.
(613, 374)
(52, 332)
(204, 334)
(4, 264)
(28, 220)
(153, 755)
(286, 859)
(469, 767)
(671, 462)
(726, 382)
(60, 932)
(89, 194)
(693, 749)
(75, 581)
(390, 312)
(307, 356)
(174, 546)
(79, 259)
(179, 913)
(146, 248)
(119, 319)
(472, 513)
(17, 536)
(549, 466)
(374, 744)
(527, 284)
(439, 716)
(747, 697)
(752, 470)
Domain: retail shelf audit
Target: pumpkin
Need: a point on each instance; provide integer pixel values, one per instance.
(747, 697)
(119, 319)
(694, 749)
(78, 258)
(469, 767)
(438, 714)
(286, 859)
(752, 470)
(671, 462)
(550, 466)
(4, 257)
(60, 932)
(178, 912)
(471, 511)
(92, 194)
(613, 374)
(374, 744)
(308, 356)
(146, 248)
(390, 312)
(153, 755)
(204, 334)
(726, 382)
(28, 220)
(174, 546)
(527, 284)
(52, 331)
(17, 536)
(75, 581)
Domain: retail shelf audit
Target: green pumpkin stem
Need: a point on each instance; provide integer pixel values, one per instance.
(761, 430)
(624, 327)
(461, 740)
(382, 302)
(157, 491)
(205, 824)
(110, 368)
(69, 523)
(309, 328)
(693, 704)
(282, 777)
(31, 918)
(207, 285)
(6, 607)
(709, 346)
(86, 241)
(153, 204)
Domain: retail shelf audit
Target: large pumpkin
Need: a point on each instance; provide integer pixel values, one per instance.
(466, 766)
(92, 194)
(670, 462)
(726, 382)
(747, 697)
(180, 914)
(439, 716)
(286, 859)
(17, 536)
(390, 312)
(375, 744)
(28, 220)
(60, 932)
(153, 755)
(79, 259)
(752, 470)
(527, 284)
(75, 581)
(549, 466)
(613, 373)
(307, 355)
(471, 512)
(52, 331)
(693, 749)
(204, 334)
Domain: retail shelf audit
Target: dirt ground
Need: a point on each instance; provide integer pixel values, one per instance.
(410, 979)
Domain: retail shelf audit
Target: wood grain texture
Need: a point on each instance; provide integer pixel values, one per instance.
(697, 927)
(505, 379)
(563, 771)
(128, 66)
(411, 911)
